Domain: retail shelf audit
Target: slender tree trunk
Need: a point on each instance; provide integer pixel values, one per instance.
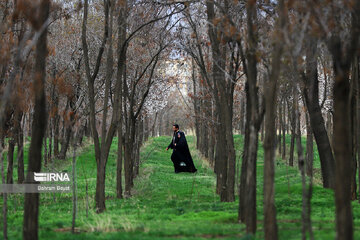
(247, 203)
(283, 126)
(20, 154)
(301, 164)
(10, 160)
(270, 223)
(293, 129)
(212, 140)
(242, 190)
(353, 120)
(4, 195)
(56, 135)
(129, 156)
(121, 55)
(280, 130)
(66, 140)
(357, 75)
(119, 164)
(309, 148)
(74, 196)
(230, 183)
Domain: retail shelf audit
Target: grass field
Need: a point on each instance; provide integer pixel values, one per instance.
(166, 205)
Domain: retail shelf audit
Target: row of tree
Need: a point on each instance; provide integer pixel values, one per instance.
(70, 70)
(277, 61)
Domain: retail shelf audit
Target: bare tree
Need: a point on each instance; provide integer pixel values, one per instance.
(31, 204)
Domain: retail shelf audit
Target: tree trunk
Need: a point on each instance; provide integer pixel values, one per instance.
(31, 204)
(20, 154)
(122, 24)
(309, 148)
(280, 130)
(283, 126)
(66, 142)
(301, 163)
(357, 75)
(119, 164)
(4, 195)
(293, 129)
(196, 103)
(342, 146)
(247, 203)
(56, 135)
(311, 93)
(270, 223)
(212, 140)
(10, 160)
(353, 120)
(100, 186)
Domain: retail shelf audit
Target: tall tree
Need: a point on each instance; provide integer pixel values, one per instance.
(271, 90)
(31, 204)
(311, 93)
(343, 51)
(254, 117)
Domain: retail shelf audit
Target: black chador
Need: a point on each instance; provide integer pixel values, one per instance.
(181, 156)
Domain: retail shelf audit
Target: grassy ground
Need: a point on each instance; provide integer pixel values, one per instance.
(166, 205)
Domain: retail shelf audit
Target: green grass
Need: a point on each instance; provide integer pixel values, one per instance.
(166, 205)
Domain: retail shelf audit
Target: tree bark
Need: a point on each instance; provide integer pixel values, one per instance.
(342, 134)
(353, 120)
(20, 153)
(247, 203)
(311, 93)
(122, 24)
(270, 223)
(31, 205)
(309, 148)
(225, 148)
(10, 160)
